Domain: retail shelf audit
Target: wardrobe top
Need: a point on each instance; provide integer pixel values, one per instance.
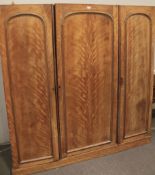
(104, 2)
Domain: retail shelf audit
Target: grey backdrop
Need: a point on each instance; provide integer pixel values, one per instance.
(4, 137)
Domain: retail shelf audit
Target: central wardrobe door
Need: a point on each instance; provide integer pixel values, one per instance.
(87, 76)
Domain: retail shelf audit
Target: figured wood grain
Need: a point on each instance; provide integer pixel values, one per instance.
(88, 74)
(87, 64)
(28, 80)
(88, 118)
(136, 71)
(29, 85)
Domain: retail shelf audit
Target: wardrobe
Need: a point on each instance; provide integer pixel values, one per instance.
(78, 81)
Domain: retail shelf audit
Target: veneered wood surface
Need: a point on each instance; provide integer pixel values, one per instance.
(136, 71)
(27, 60)
(87, 75)
(87, 51)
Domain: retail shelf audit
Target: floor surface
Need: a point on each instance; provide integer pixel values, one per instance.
(136, 161)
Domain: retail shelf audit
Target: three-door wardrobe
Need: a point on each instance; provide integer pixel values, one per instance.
(78, 81)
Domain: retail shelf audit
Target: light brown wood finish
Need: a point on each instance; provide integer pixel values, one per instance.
(27, 60)
(136, 71)
(88, 85)
(87, 75)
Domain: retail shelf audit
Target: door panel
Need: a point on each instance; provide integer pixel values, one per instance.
(136, 71)
(28, 77)
(87, 75)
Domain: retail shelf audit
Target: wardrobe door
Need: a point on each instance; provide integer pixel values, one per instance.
(27, 61)
(87, 49)
(136, 71)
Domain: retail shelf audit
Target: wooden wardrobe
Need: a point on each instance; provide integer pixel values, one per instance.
(78, 81)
